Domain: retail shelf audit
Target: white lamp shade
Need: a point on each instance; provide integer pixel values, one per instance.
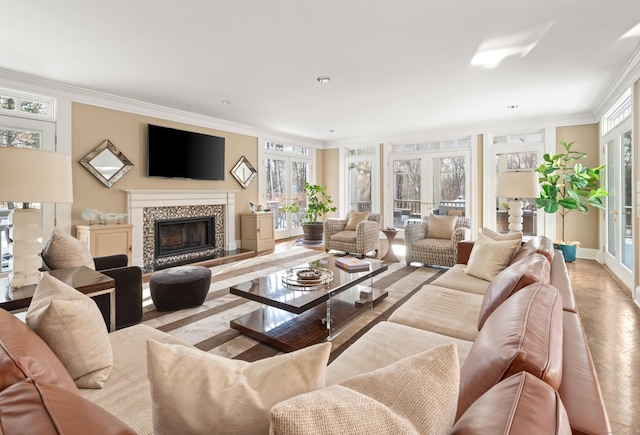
(31, 175)
(517, 185)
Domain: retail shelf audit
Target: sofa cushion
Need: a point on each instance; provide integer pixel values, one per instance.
(514, 277)
(489, 257)
(354, 219)
(372, 351)
(39, 408)
(72, 326)
(523, 333)
(540, 244)
(197, 392)
(457, 279)
(23, 354)
(63, 251)
(441, 310)
(521, 404)
(415, 395)
(441, 227)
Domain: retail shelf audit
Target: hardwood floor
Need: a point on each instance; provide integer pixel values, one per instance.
(611, 321)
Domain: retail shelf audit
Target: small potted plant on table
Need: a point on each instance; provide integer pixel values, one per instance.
(567, 185)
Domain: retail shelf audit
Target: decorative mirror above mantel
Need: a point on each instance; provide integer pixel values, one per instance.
(244, 172)
(107, 163)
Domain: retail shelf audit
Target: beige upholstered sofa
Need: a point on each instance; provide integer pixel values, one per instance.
(518, 339)
(436, 243)
(358, 233)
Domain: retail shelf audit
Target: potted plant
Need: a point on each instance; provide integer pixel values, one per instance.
(567, 185)
(319, 203)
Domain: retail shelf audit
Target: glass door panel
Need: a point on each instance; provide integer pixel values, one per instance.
(359, 185)
(409, 190)
(449, 185)
(285, 179)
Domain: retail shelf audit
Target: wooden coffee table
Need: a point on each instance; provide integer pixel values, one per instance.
(295, 316)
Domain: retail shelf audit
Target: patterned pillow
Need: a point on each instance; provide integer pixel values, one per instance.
(63, 251)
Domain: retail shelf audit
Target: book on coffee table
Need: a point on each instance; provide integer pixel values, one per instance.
(351, 264)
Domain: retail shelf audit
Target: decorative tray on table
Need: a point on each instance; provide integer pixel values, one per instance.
(307, 278)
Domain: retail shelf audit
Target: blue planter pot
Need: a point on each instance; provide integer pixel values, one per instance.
(568, 251)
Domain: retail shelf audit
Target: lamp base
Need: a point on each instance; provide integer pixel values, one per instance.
(25, 232)
(515, 216)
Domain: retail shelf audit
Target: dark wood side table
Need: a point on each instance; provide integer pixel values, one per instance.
(390, 256)
(83, 279)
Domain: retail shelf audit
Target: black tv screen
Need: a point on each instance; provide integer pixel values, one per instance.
(173, 153)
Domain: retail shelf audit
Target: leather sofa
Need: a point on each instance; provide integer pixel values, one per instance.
(530, 350)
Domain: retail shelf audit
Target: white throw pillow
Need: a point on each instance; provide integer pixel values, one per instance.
(441, 227)
(416, 395)
(497, 236)
(195, 392)
(63, 251)
(489, 257)
(73, 327)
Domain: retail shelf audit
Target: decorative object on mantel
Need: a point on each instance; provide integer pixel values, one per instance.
(107, 163)
(257, 208)
(244, 172)
(92, 214)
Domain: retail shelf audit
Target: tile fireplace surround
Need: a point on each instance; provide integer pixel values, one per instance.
(146, 206)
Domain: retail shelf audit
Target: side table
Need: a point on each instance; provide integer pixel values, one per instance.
(390, 256)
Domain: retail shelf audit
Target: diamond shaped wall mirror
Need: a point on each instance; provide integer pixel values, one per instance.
(244, 172)
(107, 163)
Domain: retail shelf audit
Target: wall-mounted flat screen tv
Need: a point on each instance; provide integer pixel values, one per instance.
(173, 153)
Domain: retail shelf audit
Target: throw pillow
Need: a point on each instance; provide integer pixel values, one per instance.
(415, 395)
(62, 251)
(489, 257)
(196, 392)
(354, 219)
(441, 227)
(72, 326)
(497, 236)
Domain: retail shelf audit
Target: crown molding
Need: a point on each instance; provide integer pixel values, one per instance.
(625, 80)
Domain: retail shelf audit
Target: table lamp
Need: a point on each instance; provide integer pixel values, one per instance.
(517, 185)
(30, 175)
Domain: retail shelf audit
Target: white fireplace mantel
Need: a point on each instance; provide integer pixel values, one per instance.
(139, 199)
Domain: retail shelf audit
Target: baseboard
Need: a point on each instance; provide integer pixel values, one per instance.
(589, 254)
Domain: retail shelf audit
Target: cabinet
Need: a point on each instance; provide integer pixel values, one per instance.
(108, 239)
(258, 231)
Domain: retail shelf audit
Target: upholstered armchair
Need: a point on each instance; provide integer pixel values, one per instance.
(434, 242)
(358, 233)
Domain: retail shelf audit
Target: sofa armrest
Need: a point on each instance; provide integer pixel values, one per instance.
(414, 232)
(334, 225)
(111, 261)
(128, 288)
(464, 251)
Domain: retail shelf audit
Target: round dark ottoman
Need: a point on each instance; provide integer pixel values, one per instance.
(179, 287)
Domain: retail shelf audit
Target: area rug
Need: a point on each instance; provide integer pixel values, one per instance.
(207, 327)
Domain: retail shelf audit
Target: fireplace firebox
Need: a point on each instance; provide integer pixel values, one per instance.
(184, 235)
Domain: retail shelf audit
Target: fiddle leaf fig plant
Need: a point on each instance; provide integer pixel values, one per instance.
(567, 185)
(319, 203)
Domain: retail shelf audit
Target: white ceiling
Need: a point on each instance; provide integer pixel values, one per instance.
(400, 70)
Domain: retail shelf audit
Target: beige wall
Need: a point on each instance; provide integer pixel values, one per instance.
(92, 125)
(578, 226)
(328, 175)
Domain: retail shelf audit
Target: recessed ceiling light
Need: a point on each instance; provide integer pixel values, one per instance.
(513, 106)
(323, 79)
(332, 131)
(229, 102)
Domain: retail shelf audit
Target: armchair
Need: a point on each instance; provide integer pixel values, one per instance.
(437, 248)
(358, 233)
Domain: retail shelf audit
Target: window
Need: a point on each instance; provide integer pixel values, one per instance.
(29, 106)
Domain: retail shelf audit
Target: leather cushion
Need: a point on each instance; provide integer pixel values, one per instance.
(43, 409)
(514, 277)
(524, 333)
(23, 354)
(521, 404)
(541, 244)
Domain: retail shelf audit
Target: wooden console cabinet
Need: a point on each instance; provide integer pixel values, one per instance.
(258, 232)
(108, 239)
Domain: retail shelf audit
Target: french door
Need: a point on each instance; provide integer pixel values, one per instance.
(619, 203)
(425, 183)
(285, 180)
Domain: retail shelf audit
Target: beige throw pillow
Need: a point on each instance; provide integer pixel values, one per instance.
(355, 218)
(498, 236)
(72, 326)
(441, 227)
(489, 257)
(416, 395)
(195, 392)
(63, 251)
